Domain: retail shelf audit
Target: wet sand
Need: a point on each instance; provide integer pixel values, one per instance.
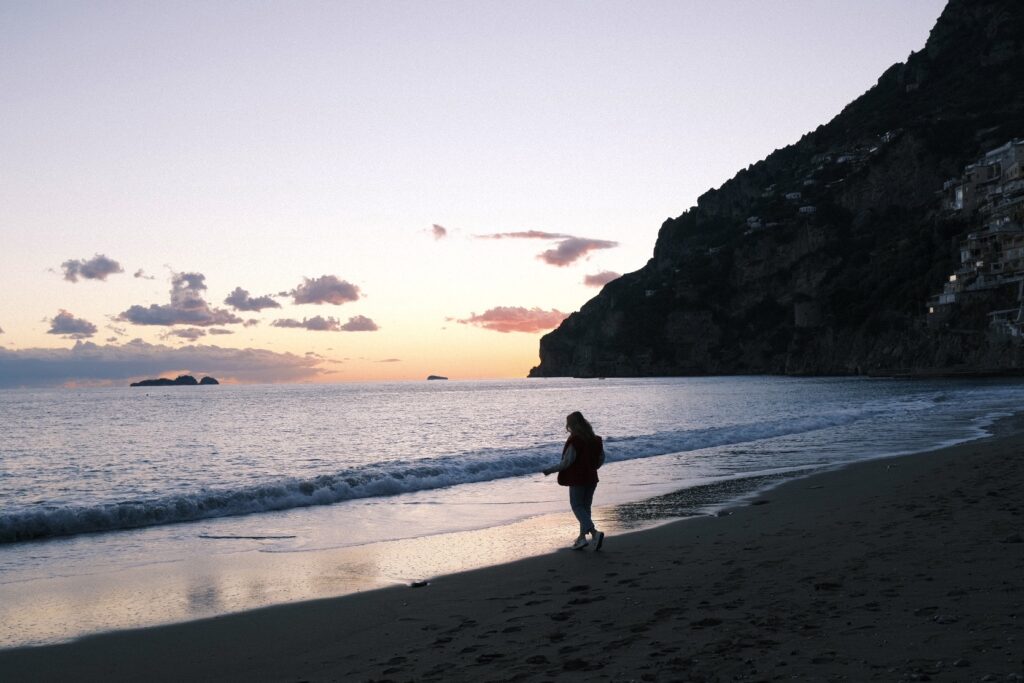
(899, 569)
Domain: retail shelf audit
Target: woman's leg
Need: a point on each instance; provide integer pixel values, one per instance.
(580, 500)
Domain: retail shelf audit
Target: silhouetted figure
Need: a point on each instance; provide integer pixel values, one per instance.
(582, 455)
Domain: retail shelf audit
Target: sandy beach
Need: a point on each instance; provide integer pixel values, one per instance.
(899, 569)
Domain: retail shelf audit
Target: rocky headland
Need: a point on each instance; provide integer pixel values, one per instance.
(832, 255)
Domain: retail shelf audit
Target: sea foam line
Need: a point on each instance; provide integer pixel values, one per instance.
(383, 479)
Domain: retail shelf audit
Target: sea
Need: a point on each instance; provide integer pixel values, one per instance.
(127, 507)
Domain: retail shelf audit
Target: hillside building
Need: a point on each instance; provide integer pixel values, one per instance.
(992, 189)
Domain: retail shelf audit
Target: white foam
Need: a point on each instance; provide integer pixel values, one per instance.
(382, 479)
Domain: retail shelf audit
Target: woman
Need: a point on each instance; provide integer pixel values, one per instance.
(582, 455)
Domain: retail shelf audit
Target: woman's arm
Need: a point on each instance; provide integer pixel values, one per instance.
(568, 457)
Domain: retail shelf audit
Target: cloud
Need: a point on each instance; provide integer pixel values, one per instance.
(525, 235)
(88, 362)
(251, 322)
(1, 330)
(119, 331)
(516, 319)
(140, 273)
(96, 268)
(601, 279)
(360, 323)
(71, 327)
(389, 360)
(218, 330)
(570, 250)
(439, 231)
(327, 289)
(187, 307)
(241, 301)
(189, 333)
(318, 323)
(323, 359)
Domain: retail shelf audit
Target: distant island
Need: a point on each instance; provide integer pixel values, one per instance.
(179, 381)
(429, 377)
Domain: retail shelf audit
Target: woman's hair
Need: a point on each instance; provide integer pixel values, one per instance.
(577, 425)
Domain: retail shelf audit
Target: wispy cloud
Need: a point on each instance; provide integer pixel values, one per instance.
(327, 289)
(388, 360)
(439, 231)
(319, 323)
(189, 334)
(70, 327)
(524, 235)
(601, 279)
(515, 319)
(140, 273)
(96, 268)
(219, 330)
(187, 307)
(251, 322)
(88, 362)
(567, 250)
(570, 250)
(119, 331)
(241, 301)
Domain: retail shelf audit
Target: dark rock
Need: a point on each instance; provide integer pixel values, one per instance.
(179, 381)
(827, 586)
(743, 283)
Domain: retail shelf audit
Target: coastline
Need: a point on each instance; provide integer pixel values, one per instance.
(897, 568)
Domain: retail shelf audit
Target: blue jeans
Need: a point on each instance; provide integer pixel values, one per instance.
(580, 499)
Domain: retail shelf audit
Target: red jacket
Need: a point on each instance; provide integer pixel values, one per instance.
(583, 470)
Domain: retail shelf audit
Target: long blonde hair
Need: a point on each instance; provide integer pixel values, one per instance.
(578, 426)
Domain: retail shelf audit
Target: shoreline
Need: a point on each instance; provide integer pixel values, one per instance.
(880, 569)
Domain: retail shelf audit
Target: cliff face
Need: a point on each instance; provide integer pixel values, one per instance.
(819, 259)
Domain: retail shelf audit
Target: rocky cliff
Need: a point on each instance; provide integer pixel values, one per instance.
(819, 259)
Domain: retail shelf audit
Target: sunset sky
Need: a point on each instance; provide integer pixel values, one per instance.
(304, 191)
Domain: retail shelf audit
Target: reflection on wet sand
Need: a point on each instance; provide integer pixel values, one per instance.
(223, 580)
(689, 502)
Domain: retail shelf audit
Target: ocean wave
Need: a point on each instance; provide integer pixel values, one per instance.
(382, 479)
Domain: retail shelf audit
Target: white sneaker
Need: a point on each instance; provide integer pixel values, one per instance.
(581, 543)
